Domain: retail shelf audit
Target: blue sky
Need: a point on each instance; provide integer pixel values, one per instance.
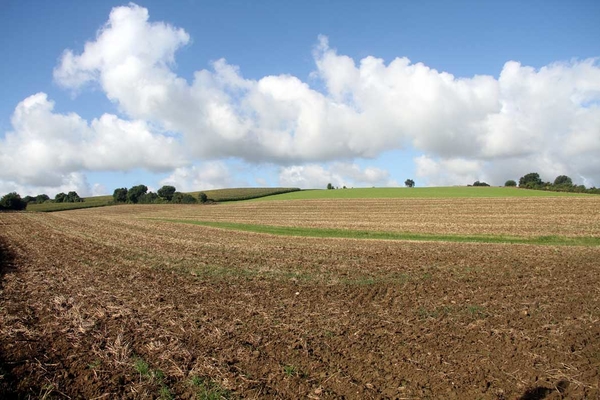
(305, 93)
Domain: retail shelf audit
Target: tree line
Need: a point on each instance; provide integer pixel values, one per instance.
(562, 183)
(139, 194)
(13, 201)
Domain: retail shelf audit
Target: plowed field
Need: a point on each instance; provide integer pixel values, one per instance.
(102, 303)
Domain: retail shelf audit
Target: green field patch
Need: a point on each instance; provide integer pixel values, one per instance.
(357, 234)
(426, 193)
(88, 202)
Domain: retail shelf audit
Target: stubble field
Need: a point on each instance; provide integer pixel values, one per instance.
(119, 302)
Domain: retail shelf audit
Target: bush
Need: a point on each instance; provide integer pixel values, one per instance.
(510, 183)
(12, 201)
(409, 183)
(477, 183)
(41, 198)
(60, 198)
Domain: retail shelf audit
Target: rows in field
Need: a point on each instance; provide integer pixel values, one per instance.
(357, 319)
(559, 216)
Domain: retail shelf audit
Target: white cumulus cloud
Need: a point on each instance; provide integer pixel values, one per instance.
(315, 176)
(481, 127)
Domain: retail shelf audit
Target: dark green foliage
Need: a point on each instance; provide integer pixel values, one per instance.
(120, 195)
(12, 202)
(531, 181)
(183, 198)
(166, 192)
(148, 198)
(510, 183)
(477, 183)
(330, 186)
(202, 197)
(409, 183)
(563, 180)
(41, 198)
(135, 192)
(60, 198)
(73, 197)
(29, 199)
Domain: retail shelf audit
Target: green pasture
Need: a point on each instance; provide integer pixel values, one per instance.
(427, 193)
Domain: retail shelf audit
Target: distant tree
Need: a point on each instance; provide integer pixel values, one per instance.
(12, 201)
(183, 198)
(510, 183)
(166, 192)
(28, 199)
(148, 198)
(477, 183)
(531, 180)
(409, 183)
(202, 197)
(60, 197)
(120, 195)
(563, 180)
(330, 186)
(73, 197)
(41, 198)
(134, 193)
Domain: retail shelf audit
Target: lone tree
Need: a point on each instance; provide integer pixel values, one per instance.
(120, 195)
(409, 183)
(531, 180)
(330, 186)
(510, 183)
(135, 192)
(166, 192)
(563, 180)
(12, 201)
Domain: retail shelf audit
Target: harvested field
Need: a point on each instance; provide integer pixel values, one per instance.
(101, 303)
(563, 216)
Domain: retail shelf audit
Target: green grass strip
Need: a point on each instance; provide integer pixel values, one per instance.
(426, 237)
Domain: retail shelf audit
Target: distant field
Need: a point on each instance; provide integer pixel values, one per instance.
(220, 195)
(237, 194)
(88, 202)
(429, 192)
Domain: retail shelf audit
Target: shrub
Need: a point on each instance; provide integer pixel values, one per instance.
(510, 183)
(409, 183)
(183, 198)
(477, 183)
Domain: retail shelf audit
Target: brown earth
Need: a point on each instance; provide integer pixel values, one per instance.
(535, 216)
(88, 298)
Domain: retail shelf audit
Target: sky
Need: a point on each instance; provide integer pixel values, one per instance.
(212, 94)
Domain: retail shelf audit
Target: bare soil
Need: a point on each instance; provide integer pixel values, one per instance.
(88, 298)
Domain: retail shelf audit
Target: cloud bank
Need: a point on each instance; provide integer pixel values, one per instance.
(527, 119)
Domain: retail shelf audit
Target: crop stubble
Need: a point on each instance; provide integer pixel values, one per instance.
(90, 292)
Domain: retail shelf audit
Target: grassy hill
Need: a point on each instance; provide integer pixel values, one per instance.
(88, 202)
(428, 192)
(237, 194)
